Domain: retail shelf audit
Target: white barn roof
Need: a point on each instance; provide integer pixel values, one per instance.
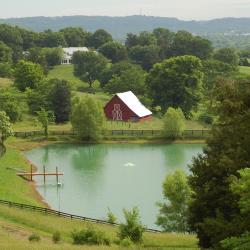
(134, 104)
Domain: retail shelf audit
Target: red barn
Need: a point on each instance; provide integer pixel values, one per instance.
(126, 106)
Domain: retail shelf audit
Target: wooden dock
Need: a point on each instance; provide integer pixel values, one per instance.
(44, 174)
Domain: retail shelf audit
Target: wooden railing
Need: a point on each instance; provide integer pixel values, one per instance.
(203, 133)
(64, 215)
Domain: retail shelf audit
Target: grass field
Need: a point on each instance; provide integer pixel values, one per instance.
(17, 224)
(244, 70)
(13, 188)
(5, 82)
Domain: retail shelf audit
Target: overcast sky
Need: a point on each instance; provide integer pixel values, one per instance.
(182, 9)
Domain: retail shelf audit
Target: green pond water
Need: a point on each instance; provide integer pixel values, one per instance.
(115, 176)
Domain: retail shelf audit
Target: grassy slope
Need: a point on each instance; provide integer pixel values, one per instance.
(28, 221)
(14, 188)
(244, 70)
(5, 82)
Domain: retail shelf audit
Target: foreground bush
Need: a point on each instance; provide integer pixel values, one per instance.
(132, 228)
(34, 237)
(56, 237)
(90, 236)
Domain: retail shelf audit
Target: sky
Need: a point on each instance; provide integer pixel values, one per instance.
(182, 9)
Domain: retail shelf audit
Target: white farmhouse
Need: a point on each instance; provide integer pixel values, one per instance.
(68, 53)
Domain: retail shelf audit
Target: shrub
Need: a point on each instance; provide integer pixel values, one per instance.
(111, 216)
(174, 122)
(126, 242)
(56, 237)
(133, 228)
(90, 236)
(34, 237)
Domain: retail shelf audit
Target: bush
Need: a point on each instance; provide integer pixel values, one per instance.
(5, 70)
(111, 216)
(34, 237)
(133, 228)
(126, 242)
(174, 122)
(90, 236)
(56, 237)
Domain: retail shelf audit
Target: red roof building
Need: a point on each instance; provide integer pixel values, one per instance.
(126, 107)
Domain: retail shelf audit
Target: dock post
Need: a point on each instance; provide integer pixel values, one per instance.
(44, 174)
(31, 172)
(57, 175)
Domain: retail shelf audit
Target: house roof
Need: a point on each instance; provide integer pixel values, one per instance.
(71, 50)
(134, 104)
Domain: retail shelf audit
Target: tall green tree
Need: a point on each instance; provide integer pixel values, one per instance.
(87, 118)
(146, 56)
(132, 79)
(114, 51)
(44, 118)
(227, 55)
(53, 56)
(27, 75)
(99, 38)
(215, 210)
(5, 128)
(173, 213)
(176, 82)
(74, 36)
(88, 66)
(5, 53)
(60, 100)
(51, 39)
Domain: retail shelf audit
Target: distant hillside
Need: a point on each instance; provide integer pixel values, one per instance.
(225, 32)
(120, 26)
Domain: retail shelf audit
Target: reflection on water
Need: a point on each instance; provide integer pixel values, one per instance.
(109, 175)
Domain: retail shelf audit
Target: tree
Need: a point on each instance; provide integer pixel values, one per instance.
(145, 38)
(132, 228)
(164, 39)
(174, 122)
(88, 66)
(214, 71)
(132, 79)
(5, 53)
(27, 75)
(60, 100)
(214, 212)
(51, 39)
(45, 118)
(241, 187)
(53, 56)
(87, 118)
(40, 96)
(114, 51)
(10, 105)
(98, 38)
(115, 69)
(176, 82)
(177, 193)
(5, 128)
(227, 55)
(186, 44)
(74, 36)
(146, 56)
(6, 70)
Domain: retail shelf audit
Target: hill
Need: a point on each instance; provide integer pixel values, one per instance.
(120, 26)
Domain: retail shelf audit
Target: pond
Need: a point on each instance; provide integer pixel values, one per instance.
(115, 176)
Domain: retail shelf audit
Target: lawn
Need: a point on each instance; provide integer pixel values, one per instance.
(244, 70)
(17, 225)
(14, 188)
(5, 82)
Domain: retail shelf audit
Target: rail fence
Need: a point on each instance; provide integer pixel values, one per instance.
(203, 133)
(64, 215)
